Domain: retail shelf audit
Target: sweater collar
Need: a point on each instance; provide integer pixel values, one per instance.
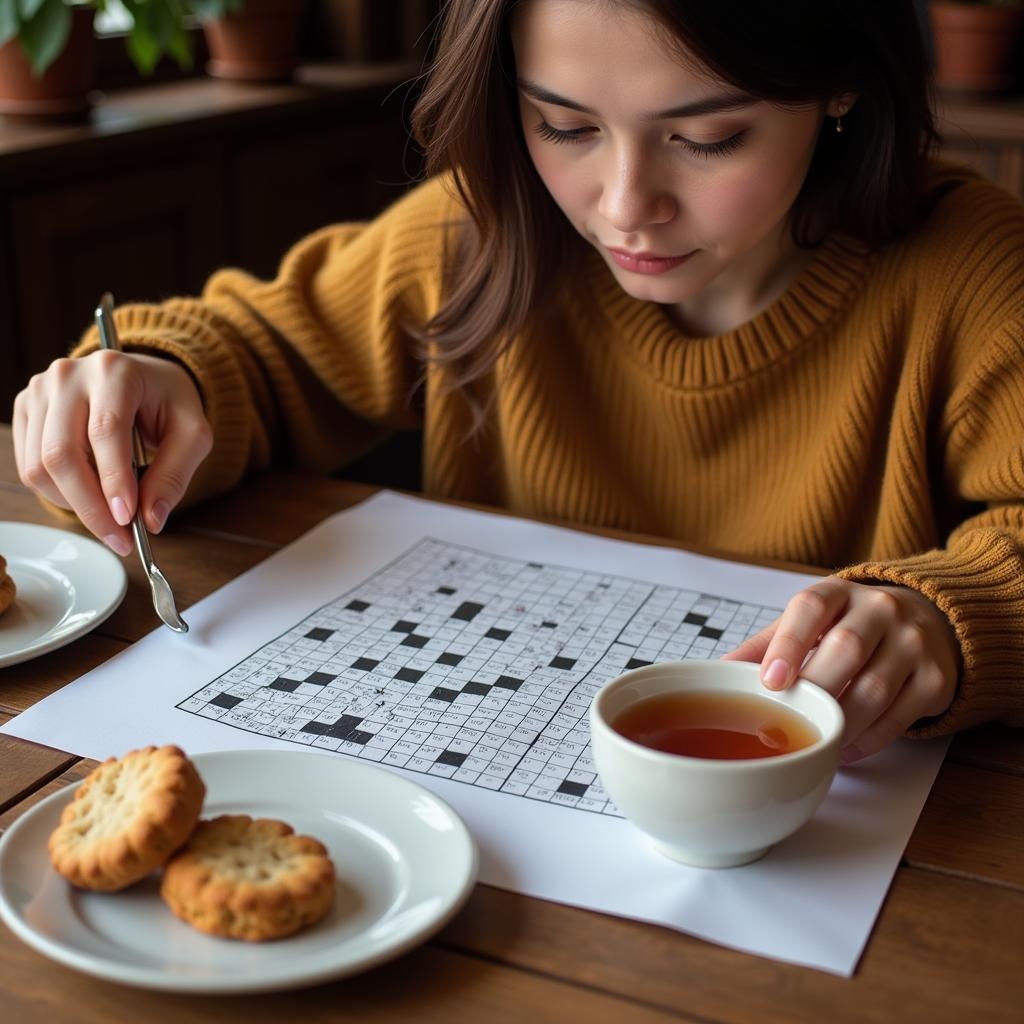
(824, 287)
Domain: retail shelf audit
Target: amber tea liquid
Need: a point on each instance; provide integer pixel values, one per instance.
(722, 726)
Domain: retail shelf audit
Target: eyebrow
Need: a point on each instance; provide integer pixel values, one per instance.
(697, 108)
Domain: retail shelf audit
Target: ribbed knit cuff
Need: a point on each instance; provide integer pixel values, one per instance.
(173, 331)
(978, 583)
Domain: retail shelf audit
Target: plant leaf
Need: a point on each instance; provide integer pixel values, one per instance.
(28, 8)
(157, 28)
(44, 37)
(8, 21)
(169, 21)
(143, 49)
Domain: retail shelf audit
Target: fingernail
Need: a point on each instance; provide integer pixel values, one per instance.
(118, 544)
(777, 674)
(850, 754)
(119, 510)
(159, 513)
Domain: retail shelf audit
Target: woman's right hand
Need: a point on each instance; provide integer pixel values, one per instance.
(73, 439)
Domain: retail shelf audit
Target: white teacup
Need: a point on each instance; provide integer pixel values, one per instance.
(706, 812)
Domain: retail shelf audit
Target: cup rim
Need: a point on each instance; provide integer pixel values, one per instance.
(663, 757)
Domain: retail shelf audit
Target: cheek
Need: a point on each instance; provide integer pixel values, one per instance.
(560, 174)
(748, 202)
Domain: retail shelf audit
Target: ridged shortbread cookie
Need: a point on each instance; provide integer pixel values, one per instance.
(7, 587)
(128, 816)
(249, 879)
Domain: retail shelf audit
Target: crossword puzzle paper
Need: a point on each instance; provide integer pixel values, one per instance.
(464, 649)
(461, 664)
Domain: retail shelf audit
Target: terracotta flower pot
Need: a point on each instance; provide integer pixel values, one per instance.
(973, 45)
(63, 89)
(259, 43)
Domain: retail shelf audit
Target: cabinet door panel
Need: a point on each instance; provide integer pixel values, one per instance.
(285, 191)
(145, 236)
(11, 373)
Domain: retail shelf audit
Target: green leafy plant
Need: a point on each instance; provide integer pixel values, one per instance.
(43, 26)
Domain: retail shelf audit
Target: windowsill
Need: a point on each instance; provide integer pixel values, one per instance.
(187, 101)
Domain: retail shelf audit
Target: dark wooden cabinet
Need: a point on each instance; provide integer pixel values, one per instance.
(283, 191)
(987, 133)
(168, 183)
(154, 232)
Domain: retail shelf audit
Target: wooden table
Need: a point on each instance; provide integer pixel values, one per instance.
(948, 945)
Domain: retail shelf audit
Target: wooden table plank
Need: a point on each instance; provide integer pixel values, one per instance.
(995, 747)
(973, 825)
(932, 958)
(26, 766)
(275, 508)
(75, 773)
(428, 986)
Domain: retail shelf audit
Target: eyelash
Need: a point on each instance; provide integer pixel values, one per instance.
(706, 150)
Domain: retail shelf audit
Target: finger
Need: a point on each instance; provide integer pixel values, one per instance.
(924, 693)
(875, 689)
(33, 473)
(185, 444)
(893, 723)
(19, 424)
(851, 643)
(112, 411)
(65, 456)
(804, 619)
(753, 648)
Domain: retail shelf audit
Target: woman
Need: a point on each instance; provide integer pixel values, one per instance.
(684, 269)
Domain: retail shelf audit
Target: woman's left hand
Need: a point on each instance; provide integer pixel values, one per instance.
(886, 653)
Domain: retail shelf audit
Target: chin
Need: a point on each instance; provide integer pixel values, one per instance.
(655, 289)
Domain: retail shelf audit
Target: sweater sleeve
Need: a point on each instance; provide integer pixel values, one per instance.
(977, 579)
(312, 368)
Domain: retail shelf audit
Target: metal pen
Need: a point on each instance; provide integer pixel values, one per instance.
(163, 597)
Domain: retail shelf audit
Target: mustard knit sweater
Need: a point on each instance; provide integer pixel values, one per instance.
(870, 420)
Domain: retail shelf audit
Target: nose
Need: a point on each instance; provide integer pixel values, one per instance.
(634, 196)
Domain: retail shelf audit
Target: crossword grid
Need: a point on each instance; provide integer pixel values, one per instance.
(471, 666)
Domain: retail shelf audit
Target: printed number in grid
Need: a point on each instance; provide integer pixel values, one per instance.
(471, 666)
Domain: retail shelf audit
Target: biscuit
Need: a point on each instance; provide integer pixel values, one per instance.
(249, 879)
(128, 816)
(7, 588)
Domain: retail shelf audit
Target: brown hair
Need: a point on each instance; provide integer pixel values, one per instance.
(869, 182)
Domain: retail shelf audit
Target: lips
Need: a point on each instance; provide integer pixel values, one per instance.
(647, 262)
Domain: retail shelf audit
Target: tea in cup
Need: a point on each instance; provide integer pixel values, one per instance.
(710, 764)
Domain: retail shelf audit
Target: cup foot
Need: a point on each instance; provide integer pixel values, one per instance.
(709, 860)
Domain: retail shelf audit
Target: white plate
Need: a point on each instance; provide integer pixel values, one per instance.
(67, 585)
(405, 863)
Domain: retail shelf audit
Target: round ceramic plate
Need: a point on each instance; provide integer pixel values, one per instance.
(404, 859)
(67, 585)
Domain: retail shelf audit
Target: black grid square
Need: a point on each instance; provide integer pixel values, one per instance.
(319, 678)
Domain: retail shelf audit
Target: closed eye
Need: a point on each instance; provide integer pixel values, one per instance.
(549, 134)
(705, 150)
(710, 149)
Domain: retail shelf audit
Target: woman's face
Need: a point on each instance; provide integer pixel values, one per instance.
(681, 182)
